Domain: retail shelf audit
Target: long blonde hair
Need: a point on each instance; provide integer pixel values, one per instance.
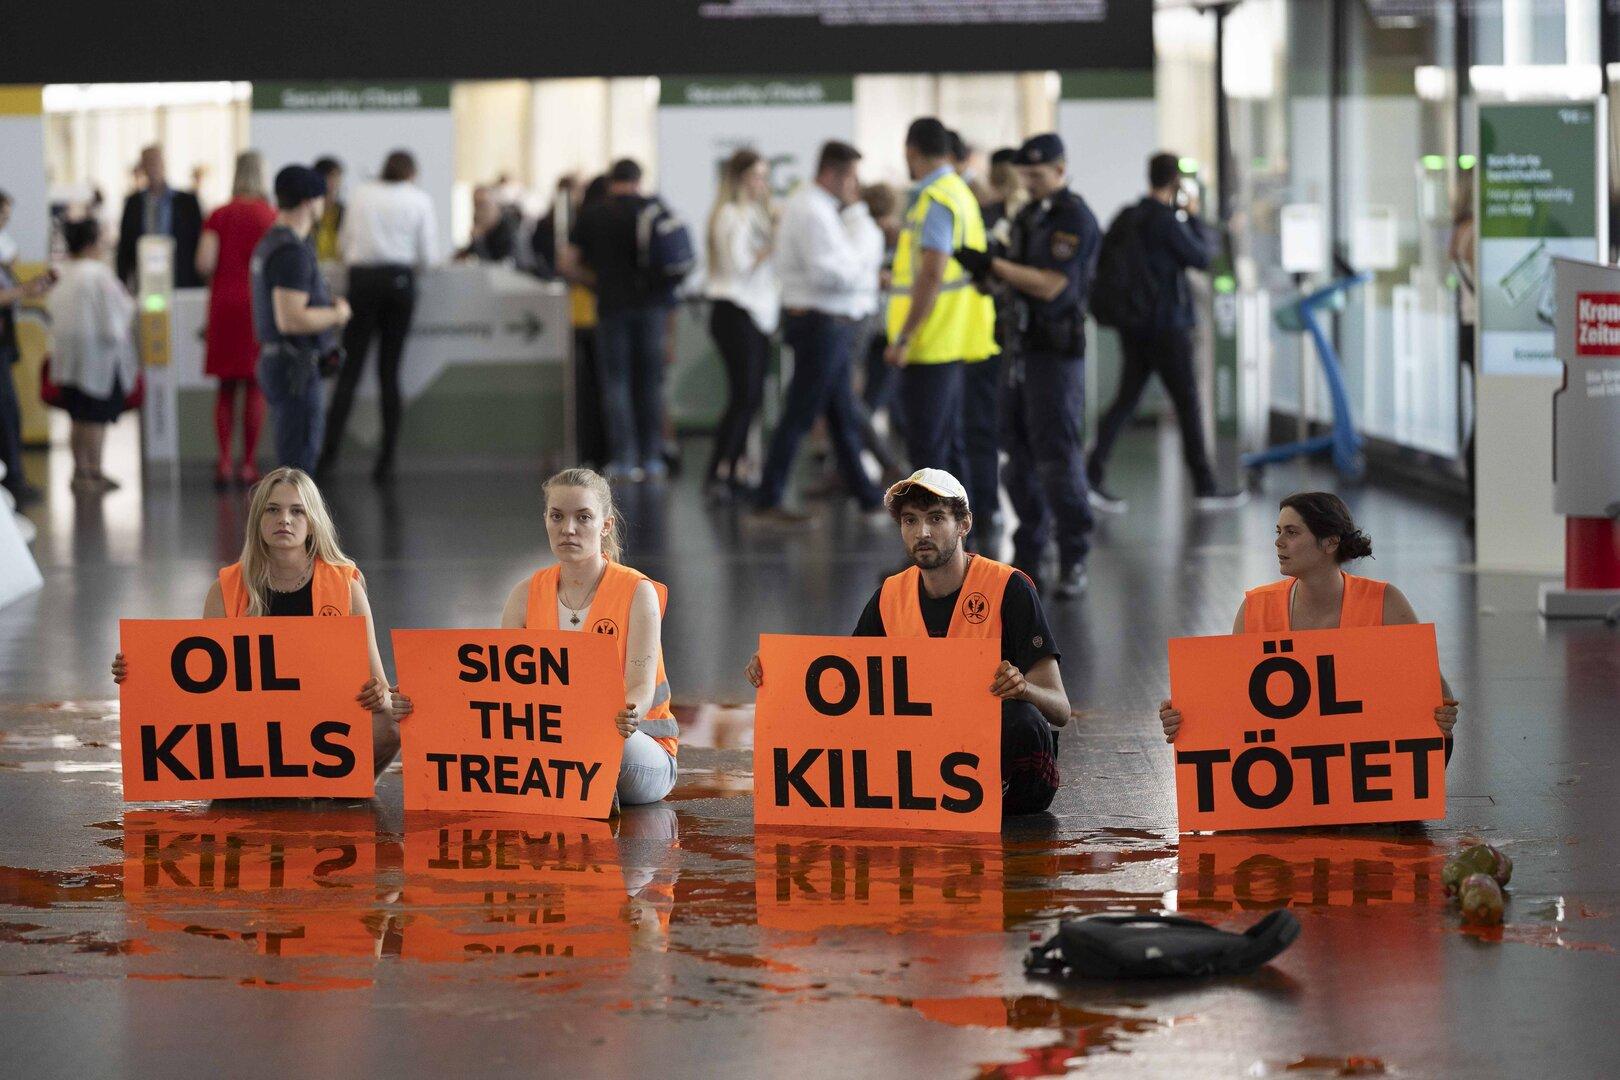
(322, 541)
(729, 192)
(248, 183)
(592, 481)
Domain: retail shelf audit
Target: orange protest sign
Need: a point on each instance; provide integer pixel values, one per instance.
(510, 720)
(245, 708)
(1317, 727)
(504, 885)
(885, 733)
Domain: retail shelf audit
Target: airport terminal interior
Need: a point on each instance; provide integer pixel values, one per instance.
(1408, 299)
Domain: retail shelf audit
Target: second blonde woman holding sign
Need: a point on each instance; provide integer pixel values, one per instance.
(590, 590)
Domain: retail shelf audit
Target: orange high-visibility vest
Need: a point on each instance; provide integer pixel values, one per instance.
(610, 610)
(978, 608)
(1265, 610)
(329, 589)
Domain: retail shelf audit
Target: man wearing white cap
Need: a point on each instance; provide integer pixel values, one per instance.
(946, 592)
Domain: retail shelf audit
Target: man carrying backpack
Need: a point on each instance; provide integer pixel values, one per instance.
(632, 251)
(1142, 292)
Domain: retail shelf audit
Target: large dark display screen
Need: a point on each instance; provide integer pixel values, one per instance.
(69, 41)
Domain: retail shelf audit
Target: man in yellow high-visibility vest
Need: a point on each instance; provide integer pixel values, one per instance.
(937, 320)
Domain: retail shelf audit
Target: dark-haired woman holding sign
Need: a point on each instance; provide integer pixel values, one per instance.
(291, 565)
(590, 590)
(1315, 537)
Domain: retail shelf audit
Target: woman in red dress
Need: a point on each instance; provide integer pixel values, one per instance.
(229, 236)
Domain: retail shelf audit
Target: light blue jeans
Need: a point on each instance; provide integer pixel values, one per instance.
(647, 772)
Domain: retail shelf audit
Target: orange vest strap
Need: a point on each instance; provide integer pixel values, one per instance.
(1265, 609)
(978, 608)
(611, 618)
(1363, 602)
(329, 589)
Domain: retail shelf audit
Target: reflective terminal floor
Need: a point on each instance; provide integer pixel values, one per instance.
(353, 940)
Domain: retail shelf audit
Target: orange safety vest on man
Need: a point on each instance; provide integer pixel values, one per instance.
(329, 589)
(1266, 609)
(978, 607)
(611, 608)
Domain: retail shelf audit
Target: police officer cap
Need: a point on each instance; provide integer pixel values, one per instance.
(1040, 150)
(299, 183)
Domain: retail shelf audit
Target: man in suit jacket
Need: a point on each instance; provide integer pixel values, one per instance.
(161, 209)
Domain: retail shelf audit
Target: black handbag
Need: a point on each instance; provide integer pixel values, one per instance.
(1154, 946)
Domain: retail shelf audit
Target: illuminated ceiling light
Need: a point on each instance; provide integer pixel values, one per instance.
(1533, 82)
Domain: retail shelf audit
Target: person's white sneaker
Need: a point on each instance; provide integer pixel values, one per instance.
(1104, 503)
(1071, 583)
(1221, 500)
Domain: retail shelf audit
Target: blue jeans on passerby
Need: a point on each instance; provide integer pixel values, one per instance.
(630, 367)
(1043, 422)
(646, 772)
(981, 446)
(821, 385)
(291, 383)
(931, 395)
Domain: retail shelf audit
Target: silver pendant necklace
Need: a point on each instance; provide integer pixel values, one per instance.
(575, 614)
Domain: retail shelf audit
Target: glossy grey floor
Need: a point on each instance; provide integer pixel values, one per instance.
(322, 940)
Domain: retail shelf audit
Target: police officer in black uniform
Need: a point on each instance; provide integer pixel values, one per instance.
(1051, 255)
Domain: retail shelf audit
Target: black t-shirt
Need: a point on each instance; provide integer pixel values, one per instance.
(1025, 636)
(283, 261)
(300, 602)
(605, 233)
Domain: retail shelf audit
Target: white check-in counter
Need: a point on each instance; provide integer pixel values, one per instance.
(484, 374)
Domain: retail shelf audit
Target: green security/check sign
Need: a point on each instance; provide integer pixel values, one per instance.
(349, 96)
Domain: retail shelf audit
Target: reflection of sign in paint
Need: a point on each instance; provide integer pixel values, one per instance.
(286, 884)
(1318, 727)
(809, 883)
(510, 720)
(245, 708)
(1265, 871)
(511, 886)
(878, 733)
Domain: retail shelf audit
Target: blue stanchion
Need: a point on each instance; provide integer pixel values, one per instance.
(1344, 441)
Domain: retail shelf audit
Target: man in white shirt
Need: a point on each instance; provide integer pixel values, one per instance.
(389, 232)
(826, 286)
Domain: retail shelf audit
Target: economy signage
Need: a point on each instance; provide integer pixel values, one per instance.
(1314, 727)
(245, 708)
(516, 721)
(885, 733)
(1541, 172)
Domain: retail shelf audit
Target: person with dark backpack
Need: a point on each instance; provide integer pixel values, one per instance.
(1141, 291)
(633, 252)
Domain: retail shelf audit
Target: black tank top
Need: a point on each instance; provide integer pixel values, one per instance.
(301, 602)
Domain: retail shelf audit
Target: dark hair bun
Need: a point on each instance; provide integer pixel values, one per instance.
(1357, 545)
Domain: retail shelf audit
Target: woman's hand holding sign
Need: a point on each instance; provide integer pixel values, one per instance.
(755, 672)
(626, 720)
(1170, 718)
(373, 696)
(120, 668)
(403, 706)
(1446, 715)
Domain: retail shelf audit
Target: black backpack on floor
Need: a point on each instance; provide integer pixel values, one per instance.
(1153, 946)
